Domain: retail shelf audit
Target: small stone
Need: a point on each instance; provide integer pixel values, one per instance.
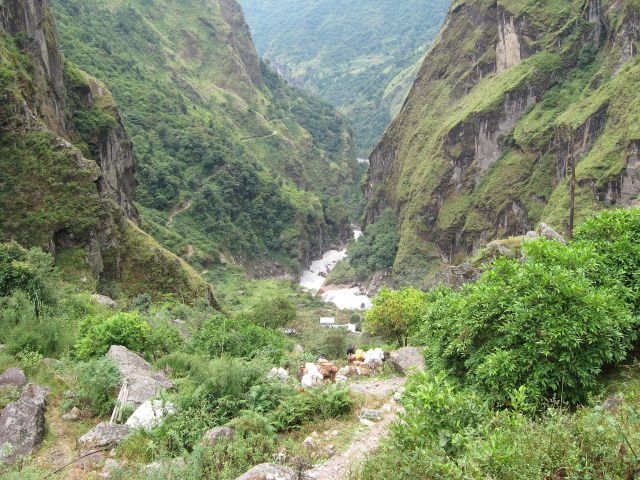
(268, 471)
(104, 300)
(366, 423)
(373, 415)
(612, 403)
(111, 464)
(215, 435)
(310, 442)
(72, 415)
(102, 436)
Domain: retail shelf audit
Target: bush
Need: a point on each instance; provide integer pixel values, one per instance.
(98, 381)
(396, 314)
(312, 405)
(539, 325)
(273, 313)
(238, 337)
(98, 333)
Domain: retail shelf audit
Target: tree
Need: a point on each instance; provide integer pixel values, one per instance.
(396, 314)
(26, 270)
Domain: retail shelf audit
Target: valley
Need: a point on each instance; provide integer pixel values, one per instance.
(387, 240)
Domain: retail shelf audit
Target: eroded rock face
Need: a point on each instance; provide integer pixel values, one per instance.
(268, 471)
(22, 424)
(13, 377)
(407, 359)
(144, 383)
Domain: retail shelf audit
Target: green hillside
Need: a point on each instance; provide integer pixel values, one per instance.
(510, 94)
(229, 158)
(361, 56)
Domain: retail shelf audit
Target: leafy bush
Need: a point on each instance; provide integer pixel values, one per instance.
(273, 313)
(532, 324)
(98, 381)
(98, 333)
(238, 337)
(30, 271)
(319, 403)
(396, 314)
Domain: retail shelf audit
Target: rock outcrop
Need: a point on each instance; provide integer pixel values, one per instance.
(22, 424)
(213, 436)
(142, 381)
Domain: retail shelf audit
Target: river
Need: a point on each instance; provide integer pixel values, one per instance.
(345, 298)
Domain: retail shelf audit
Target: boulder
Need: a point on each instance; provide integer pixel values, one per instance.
(213, 436)
(22, 424)
(269, 471)
(278, 373)
(149, 415)
(144, 383)
(550, 234)
(407, 359)
(105, 435)
(104, 300)
(13, 377)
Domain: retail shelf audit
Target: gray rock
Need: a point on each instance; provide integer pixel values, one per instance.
(612, 403)
(550, 234)
(103, 436)
(144, 383)
(104, 300)
(373, 415)
(213, 436)
(22, 424)
(531, 235)
(407, 359)
(13, 377)
(72, 415)
(269, 471)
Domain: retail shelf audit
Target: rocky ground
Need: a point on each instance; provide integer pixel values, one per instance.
(370, 435)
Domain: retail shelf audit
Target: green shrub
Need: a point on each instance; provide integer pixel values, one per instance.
(98, 333)
(238, 337)
(273, 313)
(533, 324)
(97, 385)
(312, 405)
(396, 314)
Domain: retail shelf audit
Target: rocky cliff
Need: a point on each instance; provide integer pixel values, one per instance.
(66, 160)
(509, 94)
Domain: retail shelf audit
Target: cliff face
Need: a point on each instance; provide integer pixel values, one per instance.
(66, 161)
(509, 92)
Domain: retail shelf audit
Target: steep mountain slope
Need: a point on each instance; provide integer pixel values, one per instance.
(231, 160)
(509, 94)
(66, 165)
(361, 56)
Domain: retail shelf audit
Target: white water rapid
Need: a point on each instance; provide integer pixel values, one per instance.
(314, 278)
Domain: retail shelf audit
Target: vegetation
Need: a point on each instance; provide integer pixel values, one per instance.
(376, 249)
(230, 159)
(478, 154)
(370, 62)
(518, 362)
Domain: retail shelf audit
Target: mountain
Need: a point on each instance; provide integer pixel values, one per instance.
(67, 170)
(361, 56)
(232, 162)
(508, 96)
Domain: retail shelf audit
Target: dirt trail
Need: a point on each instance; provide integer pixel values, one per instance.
(260, 137)
(187, 205)
(368, 439)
